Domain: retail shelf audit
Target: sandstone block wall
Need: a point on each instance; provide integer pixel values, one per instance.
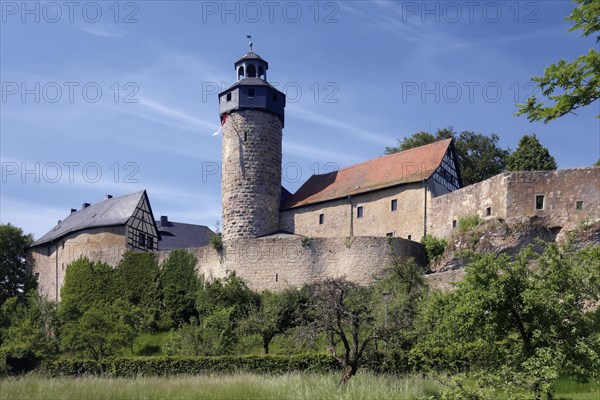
(251, 174)
(49, 261)
(512, 196)
(277, 264)
(340, 216)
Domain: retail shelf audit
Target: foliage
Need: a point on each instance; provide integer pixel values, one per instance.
(531, 155)
(230, 291)
(479, 156)
(467, 223)
(178, 285)
(28, 329)
(434, 247)
(569, 85)
(529, 317)
(597, 163)
(345, 313)
(305, 241)
(150, 366)
(87, 284)
(102, 330)
(13, 262)
(277, 313)
(216, 240)
(137, 275)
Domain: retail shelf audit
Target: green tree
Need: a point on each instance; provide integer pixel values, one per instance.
(230, 291)
(13, 261)
(479, 156)
(531, 155)
(569, 85)
(597, 164)
(531, 313)
(345, 313)
(137, 275)
(100, 332)
(28, 330)
(179, 283)
(277, 313)
(87, 284)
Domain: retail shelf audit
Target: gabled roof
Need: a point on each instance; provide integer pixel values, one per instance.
(178, 235)
(110, 212)
(408, 166)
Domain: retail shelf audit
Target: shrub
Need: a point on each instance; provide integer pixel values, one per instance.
(434, 247)
(468, 222)
(216, 241)
(152, 366)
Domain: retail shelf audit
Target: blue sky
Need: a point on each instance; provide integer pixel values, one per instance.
(105, 97)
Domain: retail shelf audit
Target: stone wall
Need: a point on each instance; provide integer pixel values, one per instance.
(49, 261)
(511, 196)
(251, 174)
(279, 263)
(340, 216)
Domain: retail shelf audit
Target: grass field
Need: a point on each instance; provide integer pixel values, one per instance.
(244, 386)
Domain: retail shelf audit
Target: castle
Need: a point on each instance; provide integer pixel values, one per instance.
(343, 223)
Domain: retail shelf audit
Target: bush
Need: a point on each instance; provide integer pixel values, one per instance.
(467, 223)
(434, 247)
(152, 366)
(216, 240)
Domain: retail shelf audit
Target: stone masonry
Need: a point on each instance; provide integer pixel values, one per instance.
(251, 174)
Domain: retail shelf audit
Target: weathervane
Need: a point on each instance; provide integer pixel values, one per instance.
(250, 43)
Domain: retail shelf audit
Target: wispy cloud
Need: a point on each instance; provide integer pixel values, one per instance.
(345, 128)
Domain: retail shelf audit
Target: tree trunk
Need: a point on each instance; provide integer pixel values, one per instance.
(349, 372)
(266, 342)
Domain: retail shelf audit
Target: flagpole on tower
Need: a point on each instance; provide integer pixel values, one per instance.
(250, 43)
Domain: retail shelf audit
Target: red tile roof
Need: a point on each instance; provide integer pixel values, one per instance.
(408, 166)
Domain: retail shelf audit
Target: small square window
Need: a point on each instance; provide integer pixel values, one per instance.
(228, 96)
(409, 237)
(251, 92)
(359, 212)
(321, 219)
(579, 205)
(488, 211)
(390, 234)
(539, 202)
(394, 204)
(454, 223)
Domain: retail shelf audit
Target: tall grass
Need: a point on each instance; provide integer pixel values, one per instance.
(219, 387)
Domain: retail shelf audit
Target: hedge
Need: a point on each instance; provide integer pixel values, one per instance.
(163, 365)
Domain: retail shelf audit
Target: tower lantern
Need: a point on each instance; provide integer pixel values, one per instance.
(252, 119)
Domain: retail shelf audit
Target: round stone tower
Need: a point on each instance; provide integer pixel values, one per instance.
(252, 117)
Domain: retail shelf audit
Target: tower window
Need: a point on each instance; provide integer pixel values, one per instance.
(251, 92)
(276, 277)
(245, 136)
(359, 212)
(390, 234)
(394, 204)
(228, 96)
(454, 223)
(409, 237)
(261, 72)
(251, 70)
(539, 201)
(488, 211)
(579, 205)
(321, 219)
(240, 73)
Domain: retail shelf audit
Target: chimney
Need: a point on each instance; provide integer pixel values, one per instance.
(164, 220)
(85, 205)
(73, 210)
(59, 221)
(108, 196)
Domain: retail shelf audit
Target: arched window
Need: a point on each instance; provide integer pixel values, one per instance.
(240, 73)
(261, 73)
(251, 71)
